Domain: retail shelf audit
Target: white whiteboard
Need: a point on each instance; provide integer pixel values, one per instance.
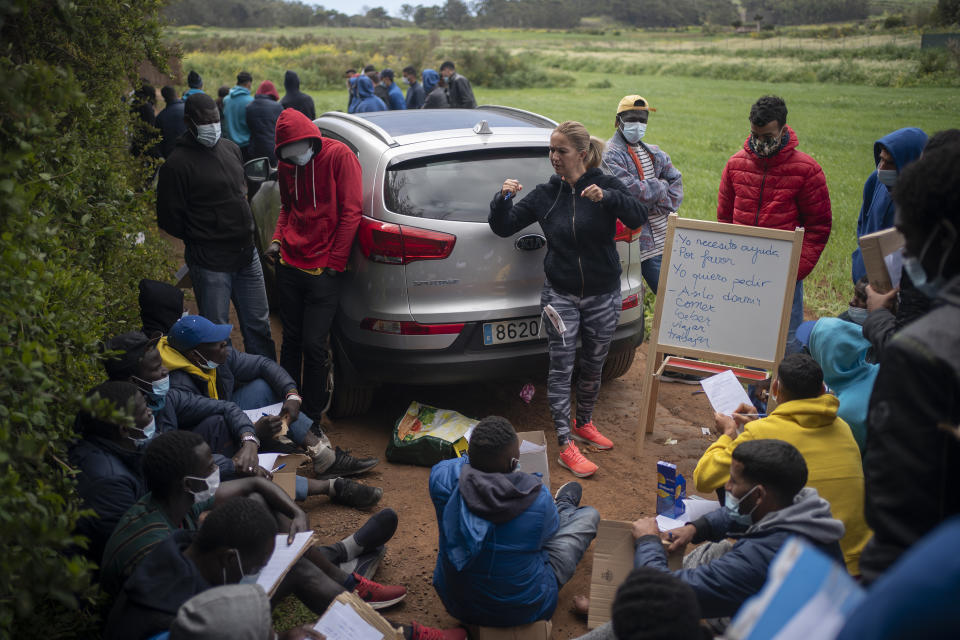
(724, 291)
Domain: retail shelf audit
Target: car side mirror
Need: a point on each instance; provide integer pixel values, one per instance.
(257, 170)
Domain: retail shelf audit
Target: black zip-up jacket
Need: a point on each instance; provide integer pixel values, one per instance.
(296, 99)
(912, 462)
(202, 199)
(582, 257)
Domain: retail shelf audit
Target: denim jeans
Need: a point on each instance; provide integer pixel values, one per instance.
(796, 318)
(650, 270)
(257, 394)
(578, 527)
(215, 290)
(308, 304)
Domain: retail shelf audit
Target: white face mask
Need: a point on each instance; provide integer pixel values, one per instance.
(212, 481)
(298, 153)
(148, 432)
(207, 134)
(633, 131)
(302, 158)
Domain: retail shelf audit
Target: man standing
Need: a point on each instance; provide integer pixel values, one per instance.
(394, 96)
(891, 154)
(378, 89)
(415, 93)
(321, 202)
(770, 183)
(296, 99)
(235, 113)
(170, 120)
(262, 116)
(458, 87)
(195, 82)
(650, 177)
(202, 199)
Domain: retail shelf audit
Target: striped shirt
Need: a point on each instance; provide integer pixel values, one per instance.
(657, 221)
(141, 528)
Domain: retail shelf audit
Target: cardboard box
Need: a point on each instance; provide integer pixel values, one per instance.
(612, 562)
(535, 461)
(539, 630)
(875, 247)
(286, 478)
(182, 276)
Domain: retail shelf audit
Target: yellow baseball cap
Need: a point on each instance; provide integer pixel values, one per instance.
(633, 103)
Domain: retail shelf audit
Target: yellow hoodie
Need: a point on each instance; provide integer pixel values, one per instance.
(833, 462)
(173, 360)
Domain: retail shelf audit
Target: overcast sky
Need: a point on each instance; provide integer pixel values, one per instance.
(352, 7)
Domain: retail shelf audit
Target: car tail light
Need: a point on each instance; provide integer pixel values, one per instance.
(406, 328)
(630, 302)
(625, 233)
(400, 244)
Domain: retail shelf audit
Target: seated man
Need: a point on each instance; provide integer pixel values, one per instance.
(234, 543)
(766, 503)
(183, 481)
(201, 361)
(506, 547)
(806, 417)
(223, 425)
(108, 458)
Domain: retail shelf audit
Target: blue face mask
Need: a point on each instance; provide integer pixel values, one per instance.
(210, 364)
(633, 132)
(732, 505)
(245, 578)
(157, 396)
(914, 266)
(148, 432)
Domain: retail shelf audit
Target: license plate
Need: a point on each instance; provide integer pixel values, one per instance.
(511, 331)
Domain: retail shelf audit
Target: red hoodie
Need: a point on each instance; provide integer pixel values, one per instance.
(784, 191)
(321, 202)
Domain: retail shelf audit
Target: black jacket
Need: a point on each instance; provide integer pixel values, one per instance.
(881, 324)
(415, 96)
(202, 199)
(171, 125)
(437, 99)
(109, 482)
(296, 99)
(239, 369)
(161, 305)
(262, 116)
(911, 463)
(460, 92)
(153, 593)
(582, 258)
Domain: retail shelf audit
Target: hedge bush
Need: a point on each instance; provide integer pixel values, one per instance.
(72, 207)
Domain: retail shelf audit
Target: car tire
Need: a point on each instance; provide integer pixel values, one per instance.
(618, 364)
(350, 400)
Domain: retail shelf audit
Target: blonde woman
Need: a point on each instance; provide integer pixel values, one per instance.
(578, 210)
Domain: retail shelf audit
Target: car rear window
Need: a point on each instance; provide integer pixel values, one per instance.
(460, 186)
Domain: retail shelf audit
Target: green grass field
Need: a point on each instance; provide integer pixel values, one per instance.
(702, 122)
(701, 118)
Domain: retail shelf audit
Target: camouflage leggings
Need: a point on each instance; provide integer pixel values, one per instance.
(592, 319)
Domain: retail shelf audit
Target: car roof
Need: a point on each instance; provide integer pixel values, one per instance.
(389, 125)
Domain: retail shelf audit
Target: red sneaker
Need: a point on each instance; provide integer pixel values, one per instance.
(421, 632)
(572, 459)
(589, 434)
(378, 596)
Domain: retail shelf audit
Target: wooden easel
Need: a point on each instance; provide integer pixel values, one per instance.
(669, 357)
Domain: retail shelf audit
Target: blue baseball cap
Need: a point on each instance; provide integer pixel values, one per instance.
(804, 331)
(189, 331)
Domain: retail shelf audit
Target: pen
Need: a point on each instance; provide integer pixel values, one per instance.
(752, 415)
(279, 467)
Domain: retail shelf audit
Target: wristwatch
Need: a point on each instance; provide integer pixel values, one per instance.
(249, 437)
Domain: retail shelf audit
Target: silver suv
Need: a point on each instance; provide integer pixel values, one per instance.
(432, 295)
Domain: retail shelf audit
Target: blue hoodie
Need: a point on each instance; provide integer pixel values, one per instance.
(840, 349)
(876, 212)
(430, 80)
(366, 101)
(492, 567)
(235, 116)
(397, 101)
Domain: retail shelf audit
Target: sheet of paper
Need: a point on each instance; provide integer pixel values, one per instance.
(696, 508)
(268, 460)
(283, 556)
(529, 447)
(271, 410)
(894, 262)
(724, 392)
(341, 622)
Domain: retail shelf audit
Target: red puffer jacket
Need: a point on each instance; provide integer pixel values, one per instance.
(785, 191)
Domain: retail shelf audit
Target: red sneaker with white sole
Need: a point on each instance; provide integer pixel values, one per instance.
(572, 459)
(378, 596)
(421, 632)
(589, 434)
